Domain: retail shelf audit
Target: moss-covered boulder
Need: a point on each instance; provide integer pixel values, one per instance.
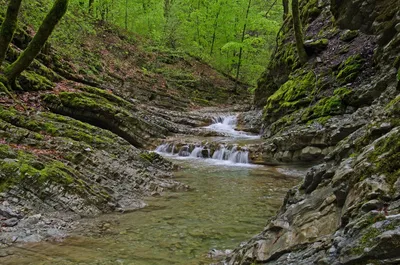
(291, 95)
(350, 69)
(99, 111)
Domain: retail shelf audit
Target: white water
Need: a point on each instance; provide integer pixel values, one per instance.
(231, 154)
(226, 154)
(227, 126)
(197, 152)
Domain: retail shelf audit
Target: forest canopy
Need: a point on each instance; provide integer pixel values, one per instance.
(224, 33)
(235, 37)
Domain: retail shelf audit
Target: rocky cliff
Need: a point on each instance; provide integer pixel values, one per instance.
(341, 111)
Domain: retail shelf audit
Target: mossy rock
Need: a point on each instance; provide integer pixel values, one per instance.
(386, 157)
(292, 94)
(328, 106)
(27, 171)
(349, 35)
(48, 123)
(315, 46)
(350, 69)
(31, 81)
(100, 112)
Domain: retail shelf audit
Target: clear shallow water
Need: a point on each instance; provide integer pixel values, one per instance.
(228, 205)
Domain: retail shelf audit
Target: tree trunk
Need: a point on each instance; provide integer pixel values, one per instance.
(26, 58)
(215, 31)
(298, 32)
(285, 8)
(8, 27)
(126, 14)
(91, 6)
(241, 48)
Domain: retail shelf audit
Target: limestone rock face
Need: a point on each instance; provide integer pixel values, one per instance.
(347, 210)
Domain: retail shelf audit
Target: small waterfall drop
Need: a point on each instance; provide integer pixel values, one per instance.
(233, 154)
(226, 125)
(197, 152)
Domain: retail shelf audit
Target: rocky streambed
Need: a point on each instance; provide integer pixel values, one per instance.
(229, 200)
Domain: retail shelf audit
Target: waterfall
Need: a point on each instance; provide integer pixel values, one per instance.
(230, 121)
(184, 151)
(233, 153)
(197, 152)
(219, 154)
(165, 148)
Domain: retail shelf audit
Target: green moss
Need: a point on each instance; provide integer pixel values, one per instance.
(106, 94)
(24, 169)
(349, 35)
(149, 156)
(327, 106)
(31, 81)
(342, 92)
(310, 9)
(292, 93)
(324, 107)
(201, 101)
(386, 158)
(349, 70)
(367, 240)
(57, 125)
(317, 44)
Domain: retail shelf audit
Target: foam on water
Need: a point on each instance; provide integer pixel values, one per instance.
(227, 126)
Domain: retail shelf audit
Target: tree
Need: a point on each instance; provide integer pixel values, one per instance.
(285, 4)
(298, 32)
(8, 27)
(29, 54)
(91, 6)
(241, 48)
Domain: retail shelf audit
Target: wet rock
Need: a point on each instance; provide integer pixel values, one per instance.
(11, 222)
(349, 35)
(8, 212)
(311, 153)
(217, 254)
(371, 205)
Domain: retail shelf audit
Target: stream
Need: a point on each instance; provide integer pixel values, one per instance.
(229, 202)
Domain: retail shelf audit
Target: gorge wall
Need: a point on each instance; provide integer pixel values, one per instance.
(342, 111)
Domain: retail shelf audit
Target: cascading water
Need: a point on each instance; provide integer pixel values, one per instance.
(197, 152)
(226, 125)
(233, 154)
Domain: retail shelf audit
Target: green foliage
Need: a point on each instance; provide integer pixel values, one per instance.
(208, 29)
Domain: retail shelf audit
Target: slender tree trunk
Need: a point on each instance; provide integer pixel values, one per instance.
(49, 23)
(215, 31)
(241, 48)
(285, 8)
(126, 14)
(8, 27)
(91, 6)
(298, 32)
